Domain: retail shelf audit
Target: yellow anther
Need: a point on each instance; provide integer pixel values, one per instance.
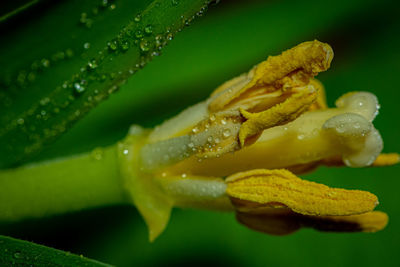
(293, 68)
(304, 197)
(309, 57)
(387, 159)
(384, 159)
(279, 114)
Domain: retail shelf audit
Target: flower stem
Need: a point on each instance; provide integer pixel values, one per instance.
(63, 185)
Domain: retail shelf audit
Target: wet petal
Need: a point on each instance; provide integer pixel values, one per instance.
(345, 132)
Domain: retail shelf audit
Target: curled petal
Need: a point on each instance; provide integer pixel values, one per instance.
(282, 187)
(361, 142)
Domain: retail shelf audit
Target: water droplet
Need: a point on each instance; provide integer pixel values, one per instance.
(159, 40)
(138, 17)
(112, 7)
(78, 88)
(104, 3)
(148, 29)
(125, 45)
(175, 2)
(210, 139)
(126, 151)
(44, 101)
(170, 36)
(195, 130)
(112, 45)
(17, 255)
(212, 118)
(86, 45)
(226, 133)
(97, 154)
(138, 34)
(300, 136)
(217, 140)
(45, 62)
(92, 64)
(183, 175)
(144, 46)
(20, 121)
(223, 122)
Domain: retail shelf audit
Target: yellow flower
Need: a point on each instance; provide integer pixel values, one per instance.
(240, 150)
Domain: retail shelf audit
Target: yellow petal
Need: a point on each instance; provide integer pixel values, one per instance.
(304, 197)
(143, 190)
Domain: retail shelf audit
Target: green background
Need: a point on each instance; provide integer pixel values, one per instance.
(228, 40)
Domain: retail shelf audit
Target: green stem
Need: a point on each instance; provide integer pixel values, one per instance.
(65, 185)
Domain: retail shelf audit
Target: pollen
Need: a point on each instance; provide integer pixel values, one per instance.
(308, 198)
(279, 114)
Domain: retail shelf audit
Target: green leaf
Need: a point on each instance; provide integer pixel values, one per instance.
(14, 252)
(70, 56)
(12, 8)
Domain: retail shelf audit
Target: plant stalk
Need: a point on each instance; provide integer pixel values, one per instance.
(63, 185)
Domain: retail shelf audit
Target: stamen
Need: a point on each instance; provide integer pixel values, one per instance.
(304, 197)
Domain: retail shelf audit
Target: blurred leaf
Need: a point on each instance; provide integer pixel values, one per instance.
(12, 8)
(14, 252)
(72, 55)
